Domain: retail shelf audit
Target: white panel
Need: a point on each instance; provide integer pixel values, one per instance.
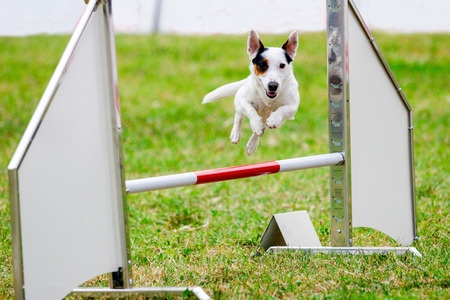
(68, 180)
(382, 195)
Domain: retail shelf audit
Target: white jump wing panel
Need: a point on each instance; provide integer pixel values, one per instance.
(66, 181)
(381, 155)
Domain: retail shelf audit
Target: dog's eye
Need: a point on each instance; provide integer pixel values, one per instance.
(282, 66)
(262, 67)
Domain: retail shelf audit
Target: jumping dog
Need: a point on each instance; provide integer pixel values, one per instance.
(269, 96)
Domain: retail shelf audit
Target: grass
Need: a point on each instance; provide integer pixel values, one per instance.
(208, 235)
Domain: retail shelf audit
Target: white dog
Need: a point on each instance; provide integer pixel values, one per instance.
(269, 96)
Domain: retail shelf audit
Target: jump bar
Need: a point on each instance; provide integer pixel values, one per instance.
(231, 173)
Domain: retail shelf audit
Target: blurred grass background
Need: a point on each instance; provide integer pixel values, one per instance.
(207, 235)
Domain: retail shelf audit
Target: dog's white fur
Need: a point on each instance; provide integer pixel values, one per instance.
(255, 96)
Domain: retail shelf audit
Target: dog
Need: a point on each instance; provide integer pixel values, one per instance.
(269, 95)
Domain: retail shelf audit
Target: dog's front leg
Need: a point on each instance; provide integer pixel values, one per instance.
(257, 125)
(235, 135)
(283, 113)
(244, 105)
(252, 144)
(256, 122)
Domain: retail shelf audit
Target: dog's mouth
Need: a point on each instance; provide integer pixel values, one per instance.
(271, 94)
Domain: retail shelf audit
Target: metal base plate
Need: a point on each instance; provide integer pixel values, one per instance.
(142, 291)
(349, 250)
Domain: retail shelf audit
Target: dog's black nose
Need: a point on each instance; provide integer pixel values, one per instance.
(273, 86)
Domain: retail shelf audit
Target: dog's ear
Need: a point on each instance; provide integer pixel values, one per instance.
(291, 45)
(253, 44)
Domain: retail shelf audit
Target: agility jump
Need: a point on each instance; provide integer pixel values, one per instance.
(73, 143)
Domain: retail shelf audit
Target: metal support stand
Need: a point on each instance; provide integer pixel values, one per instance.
(349, 250)
(74, 138)
(156, 292)
(339, 124)
(346, 27)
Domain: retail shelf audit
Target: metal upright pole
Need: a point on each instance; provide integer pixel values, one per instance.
(122, 277)
(339, 122)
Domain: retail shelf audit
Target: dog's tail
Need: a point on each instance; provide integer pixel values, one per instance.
(224, 91)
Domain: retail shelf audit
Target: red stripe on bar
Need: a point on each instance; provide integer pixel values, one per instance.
(238, 172)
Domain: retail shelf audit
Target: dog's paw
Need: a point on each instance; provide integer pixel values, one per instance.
(274, 121)
(252, 144)
(235, 136)
(257, 126)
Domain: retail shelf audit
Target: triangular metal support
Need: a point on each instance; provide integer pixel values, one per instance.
(292, 229)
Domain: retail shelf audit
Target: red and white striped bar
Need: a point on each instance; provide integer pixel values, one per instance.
(231, 173)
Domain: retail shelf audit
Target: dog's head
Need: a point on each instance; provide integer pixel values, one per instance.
(271, 65)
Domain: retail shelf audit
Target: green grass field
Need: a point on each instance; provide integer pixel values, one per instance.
(208, 235)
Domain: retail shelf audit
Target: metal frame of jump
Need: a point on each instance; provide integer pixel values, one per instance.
(63, 236)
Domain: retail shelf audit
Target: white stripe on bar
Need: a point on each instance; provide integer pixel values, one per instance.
(160, 182)
(309, 162)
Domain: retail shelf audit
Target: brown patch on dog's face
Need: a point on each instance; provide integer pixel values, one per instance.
(260, 66)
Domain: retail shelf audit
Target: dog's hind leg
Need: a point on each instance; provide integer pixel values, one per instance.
(235, 135)
(252, 144)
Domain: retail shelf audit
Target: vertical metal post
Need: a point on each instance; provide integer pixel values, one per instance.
(339, 119)
(122, 278)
